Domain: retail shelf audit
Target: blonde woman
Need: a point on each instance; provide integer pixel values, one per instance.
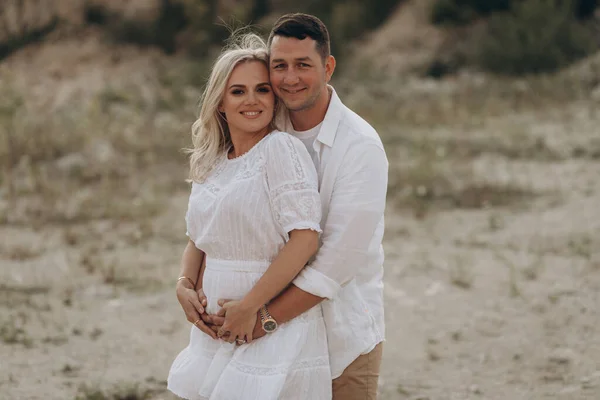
(253, 219)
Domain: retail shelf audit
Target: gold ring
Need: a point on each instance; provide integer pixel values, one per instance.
(196, 322)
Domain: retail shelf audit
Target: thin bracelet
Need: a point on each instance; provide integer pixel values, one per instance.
(189, 279)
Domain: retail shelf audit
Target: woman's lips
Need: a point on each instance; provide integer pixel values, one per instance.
(251, 114)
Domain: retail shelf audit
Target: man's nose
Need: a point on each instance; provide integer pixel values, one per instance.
(290, 78)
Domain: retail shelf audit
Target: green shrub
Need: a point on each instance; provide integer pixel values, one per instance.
(197, 26)
(23, 23)
(536, 36)
(586, 8)
(161, 31)
(449, 12)
(484, 7)
(460, 12)
(349, 19)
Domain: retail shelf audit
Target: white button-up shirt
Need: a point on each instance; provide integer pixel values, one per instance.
(348, 268)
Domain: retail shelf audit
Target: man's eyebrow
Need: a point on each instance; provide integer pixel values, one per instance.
(278, 60)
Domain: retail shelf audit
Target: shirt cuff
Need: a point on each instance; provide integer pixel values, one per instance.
(314, 282)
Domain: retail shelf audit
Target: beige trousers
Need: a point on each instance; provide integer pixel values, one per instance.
(359, 380)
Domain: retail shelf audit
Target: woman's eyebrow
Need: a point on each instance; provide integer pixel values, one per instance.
(239, 85)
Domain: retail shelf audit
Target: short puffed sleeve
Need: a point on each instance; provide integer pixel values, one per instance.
(292, 184)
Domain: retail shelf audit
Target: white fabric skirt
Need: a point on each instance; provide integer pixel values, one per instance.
(290, 363)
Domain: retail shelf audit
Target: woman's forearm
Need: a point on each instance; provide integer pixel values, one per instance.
(288, 263)
(191, 263)
(201, 273)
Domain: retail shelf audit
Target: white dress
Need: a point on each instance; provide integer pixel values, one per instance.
(240, 216)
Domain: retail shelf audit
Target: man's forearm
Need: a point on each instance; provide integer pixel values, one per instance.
(290, 260)
(291, 303)
(288, 305)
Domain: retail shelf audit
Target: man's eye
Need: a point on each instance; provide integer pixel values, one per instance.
(303, 65)
(279, 66)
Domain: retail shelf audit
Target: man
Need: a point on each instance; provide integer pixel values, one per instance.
(346, 276)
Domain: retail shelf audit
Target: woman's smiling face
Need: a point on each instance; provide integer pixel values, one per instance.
(248, 102)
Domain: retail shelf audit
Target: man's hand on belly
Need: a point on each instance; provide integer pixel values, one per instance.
(215, 321)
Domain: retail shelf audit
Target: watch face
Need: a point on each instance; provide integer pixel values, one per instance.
(270, 326)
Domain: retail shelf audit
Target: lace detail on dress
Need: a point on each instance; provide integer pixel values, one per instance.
(217, 167)
(295, 160)
(310, 207)
(292, 187)
(247, 169)
(213, 176)
(305, 204)
(280, 369)
(211, 187)
(250, 168)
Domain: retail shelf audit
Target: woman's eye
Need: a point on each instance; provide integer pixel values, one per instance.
(236, 92)
(264, 90)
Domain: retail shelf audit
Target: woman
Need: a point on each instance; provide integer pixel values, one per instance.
(253, 217)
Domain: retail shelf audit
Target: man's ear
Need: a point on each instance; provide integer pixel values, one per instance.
(329, 67)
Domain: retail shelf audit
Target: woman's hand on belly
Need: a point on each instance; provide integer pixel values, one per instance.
(193, 303)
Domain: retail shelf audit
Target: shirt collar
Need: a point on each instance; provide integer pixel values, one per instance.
(331, 121)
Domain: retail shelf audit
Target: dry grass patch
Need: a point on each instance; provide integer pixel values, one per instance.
(13, 333)
(490, 195)
(24, 290)
(581, 245)
(513, 269)
(511, 144)
(467, 101)
(432, 171)
(124, 391)
(30, 298)
(20, 252)
(121, 271)
(461, 273)
(107, 156)
(430, 185)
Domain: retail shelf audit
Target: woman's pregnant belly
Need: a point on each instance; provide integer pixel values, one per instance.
(229, 280)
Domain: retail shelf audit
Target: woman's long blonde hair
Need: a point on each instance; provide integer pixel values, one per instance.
(210, 132)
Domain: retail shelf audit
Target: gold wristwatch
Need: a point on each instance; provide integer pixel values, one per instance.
(269, 324)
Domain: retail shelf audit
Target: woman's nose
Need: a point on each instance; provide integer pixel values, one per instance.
(251, 98)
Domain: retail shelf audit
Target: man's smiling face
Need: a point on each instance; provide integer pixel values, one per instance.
(298, 74)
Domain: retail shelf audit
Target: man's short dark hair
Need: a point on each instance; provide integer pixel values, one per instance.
(301, 26)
